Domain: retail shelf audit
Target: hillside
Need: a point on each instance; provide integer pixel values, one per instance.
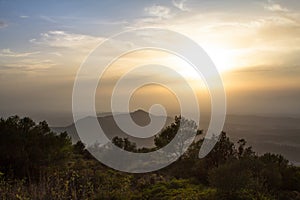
(111, 129)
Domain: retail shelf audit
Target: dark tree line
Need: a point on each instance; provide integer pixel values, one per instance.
(26, 148)
(36, 163)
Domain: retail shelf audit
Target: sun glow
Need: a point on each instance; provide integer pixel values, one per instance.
(222, 58)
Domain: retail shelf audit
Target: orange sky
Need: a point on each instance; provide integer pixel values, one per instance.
(254, 44)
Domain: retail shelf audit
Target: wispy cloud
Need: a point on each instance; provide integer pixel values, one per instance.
(275, 7)
(108, 22)
(158, 11)
(66, 40)
(27, 65)
(155, 15)
(90, 20)
(24, 16)
(66, 47)
(181, 5)
(48, 19)
(271, 69)
(10, 53)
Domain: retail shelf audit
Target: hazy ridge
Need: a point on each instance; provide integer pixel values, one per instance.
(279, 135)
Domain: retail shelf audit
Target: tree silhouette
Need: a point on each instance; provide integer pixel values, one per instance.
(27, 147)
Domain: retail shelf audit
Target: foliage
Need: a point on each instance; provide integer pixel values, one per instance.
(124, 144)
(176, 189)
(27, 148)
(36, 163)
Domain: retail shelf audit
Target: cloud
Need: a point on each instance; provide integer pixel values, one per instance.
(27, 65)
(270, 69)
(155, 15)
(9, 53)
(275, 7)
(180, 5)
(24, 16)
(2, 24)
(72, 47)
(108, 22)
(158, 11)
(48, 19)
(66, 40)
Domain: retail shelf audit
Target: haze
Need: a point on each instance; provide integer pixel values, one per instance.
(254, 44)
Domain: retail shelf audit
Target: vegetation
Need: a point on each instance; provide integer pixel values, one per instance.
(36, 163)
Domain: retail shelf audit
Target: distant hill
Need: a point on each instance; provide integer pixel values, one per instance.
(279, 135)
(111, 129)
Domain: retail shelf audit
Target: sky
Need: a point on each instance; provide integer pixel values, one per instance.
(254, 44)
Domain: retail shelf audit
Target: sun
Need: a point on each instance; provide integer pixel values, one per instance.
(222, 58)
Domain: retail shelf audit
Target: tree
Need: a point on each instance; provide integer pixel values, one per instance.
(243, 151)
(184, 130)
(26, 147)
(224, 150)
(79, 148)
(167, 134)
(232, 178)
(124, 144)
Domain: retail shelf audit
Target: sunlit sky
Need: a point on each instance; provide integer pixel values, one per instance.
(254, 44)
